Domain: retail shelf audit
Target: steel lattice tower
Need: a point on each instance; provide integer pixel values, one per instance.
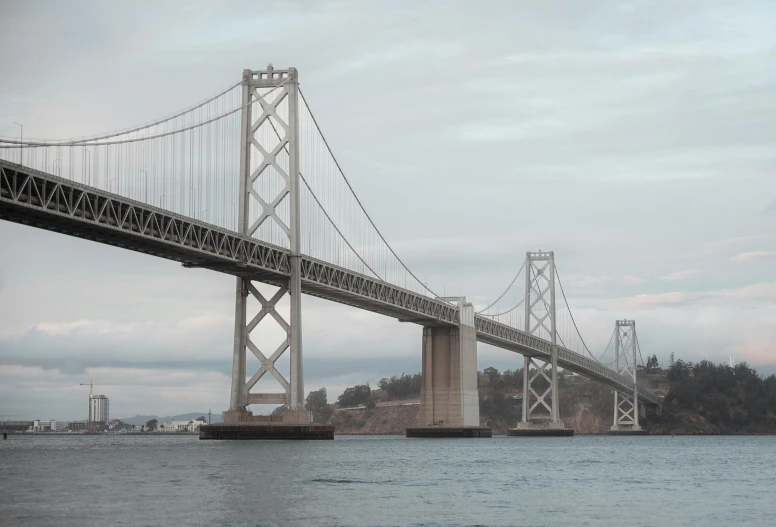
(626, 409)
(540, 320)
(257, 151)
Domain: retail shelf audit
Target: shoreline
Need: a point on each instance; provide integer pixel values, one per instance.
(182, 434)
(81, 434)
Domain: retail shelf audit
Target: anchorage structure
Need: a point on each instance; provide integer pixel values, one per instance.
(269, 206)
(626, 409)
(540, 378)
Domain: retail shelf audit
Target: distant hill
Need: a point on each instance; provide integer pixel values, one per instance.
(143, 419)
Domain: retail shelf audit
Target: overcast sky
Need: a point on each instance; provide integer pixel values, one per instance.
(635, 139)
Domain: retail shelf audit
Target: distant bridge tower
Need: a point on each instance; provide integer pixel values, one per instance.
(268, 208)
(626, 409)
(540, 378)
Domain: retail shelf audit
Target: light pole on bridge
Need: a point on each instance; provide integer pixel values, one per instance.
(89, 166)
(146, 184)
(21, 142)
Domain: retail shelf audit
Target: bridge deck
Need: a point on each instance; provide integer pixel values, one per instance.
(56, 204)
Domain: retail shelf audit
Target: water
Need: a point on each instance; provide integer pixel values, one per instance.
(354, 481)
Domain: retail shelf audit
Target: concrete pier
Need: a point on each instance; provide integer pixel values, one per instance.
(449, 401)
(250, 431)
(449, 431)
(242, 424)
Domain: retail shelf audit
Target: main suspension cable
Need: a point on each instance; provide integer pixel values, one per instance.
(563, 293)
(78, 141)
(35, 144)
(506, 290)
(347, 182)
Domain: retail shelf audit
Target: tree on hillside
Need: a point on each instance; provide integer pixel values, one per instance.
(404, 386)
(355, 395)
(318, 403)
(652, 364)
(151, 425)
(494, 380)
(736, 399)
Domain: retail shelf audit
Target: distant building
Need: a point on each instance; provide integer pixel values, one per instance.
(41, 426)
(77, 425)
(49, 426)
(16, 426)
(180, 426)
(98, 409)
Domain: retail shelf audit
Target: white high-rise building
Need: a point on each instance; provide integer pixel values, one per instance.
(98, 409)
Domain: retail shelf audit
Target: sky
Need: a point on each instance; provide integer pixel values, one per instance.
(635, 139)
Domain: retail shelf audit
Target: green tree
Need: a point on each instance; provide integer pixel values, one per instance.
(355, 395)
(151, 425)
(318, 403)
(404, 386)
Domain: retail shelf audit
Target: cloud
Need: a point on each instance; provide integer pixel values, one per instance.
(758, 346)
(750, 296)
(84, 327)
(602, 280)
(660, 300)
(753, 256)
(771, 207)
(682, 275)
(765, 292)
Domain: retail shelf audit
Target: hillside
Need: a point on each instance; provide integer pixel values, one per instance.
(701, 398)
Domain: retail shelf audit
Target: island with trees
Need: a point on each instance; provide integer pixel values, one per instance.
(700, 398)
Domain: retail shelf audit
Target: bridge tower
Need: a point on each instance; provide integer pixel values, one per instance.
(268, 206)
(626, 408)
(540, 377)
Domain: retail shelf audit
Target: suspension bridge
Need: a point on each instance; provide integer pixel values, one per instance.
(233, 183)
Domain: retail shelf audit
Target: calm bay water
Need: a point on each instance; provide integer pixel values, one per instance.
(353, 481)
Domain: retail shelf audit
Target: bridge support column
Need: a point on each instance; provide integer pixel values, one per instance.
(540, 376)
(272, 216)
(449, 400)
(626, 406)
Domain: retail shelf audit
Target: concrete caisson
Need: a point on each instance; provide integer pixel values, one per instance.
(251, 431)
(449, 401)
